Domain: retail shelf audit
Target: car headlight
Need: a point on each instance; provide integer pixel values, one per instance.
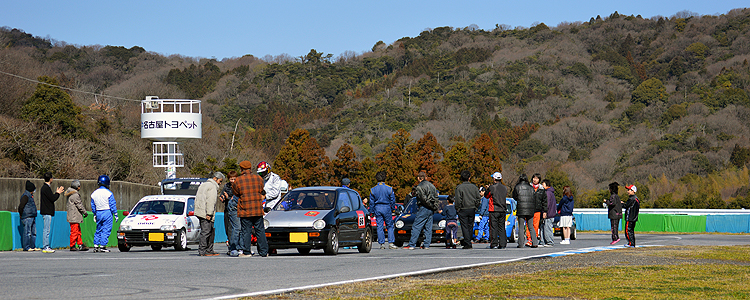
(441, 224)
(125, 227)
(399, 224)
(319, 224)
(266, 223)
(167, 227)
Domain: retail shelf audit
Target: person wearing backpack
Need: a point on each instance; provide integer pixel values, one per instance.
(427, 202)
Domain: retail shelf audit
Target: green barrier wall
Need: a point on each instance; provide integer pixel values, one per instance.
(6, 231)
(88, 228)
(684, 223)
(648, 222)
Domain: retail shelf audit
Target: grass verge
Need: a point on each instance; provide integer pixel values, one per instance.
(680, 272)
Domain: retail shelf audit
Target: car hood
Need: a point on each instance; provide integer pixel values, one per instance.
(150, 221)
(294, 218)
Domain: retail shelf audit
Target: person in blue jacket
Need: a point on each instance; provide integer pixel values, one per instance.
(27, 210)
(104, 206)
(383, 200)
(565, 209)
(483, 234)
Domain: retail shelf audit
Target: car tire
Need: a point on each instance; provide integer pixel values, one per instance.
(366, 245)
(513, 235)
(182, 244)
(399, 243)
(332, 247)
(156, 247)
(123, 247)
(573, 233)
(303, 251)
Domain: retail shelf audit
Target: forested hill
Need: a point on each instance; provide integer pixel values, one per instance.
(662, 103)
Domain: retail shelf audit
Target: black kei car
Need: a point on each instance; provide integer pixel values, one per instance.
(321, 217)
(404, 222)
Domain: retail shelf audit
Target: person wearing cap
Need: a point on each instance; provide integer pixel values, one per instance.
(205, 207)
(271, 185)
(47, 209)
(483, 234)
(497, 208)
(383, 201)
(76, 213)
(345, 182)
(27, 211)
(614, 211)
(248, 187)
(632, 208)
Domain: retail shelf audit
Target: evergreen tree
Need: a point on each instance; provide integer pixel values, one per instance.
(345, 165)
(485, 160)
(51, 105)
(398, 164)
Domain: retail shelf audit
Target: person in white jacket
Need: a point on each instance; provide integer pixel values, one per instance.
(104, 206)
(273, 185)
(205, 207)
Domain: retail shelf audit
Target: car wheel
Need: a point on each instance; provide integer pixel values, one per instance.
(303, 250)
(573, 233)
(123, 247)
(513, 235)
(332, 247)
(182, 245)
(156, 247)
(398, 243)
(366, 245)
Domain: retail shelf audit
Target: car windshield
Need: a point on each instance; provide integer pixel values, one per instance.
(159, 207)
(307, 200)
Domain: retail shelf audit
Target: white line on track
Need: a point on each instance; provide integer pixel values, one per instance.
(421, 272)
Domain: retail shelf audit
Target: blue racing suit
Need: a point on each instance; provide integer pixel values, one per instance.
(383, 200)
(104, 206)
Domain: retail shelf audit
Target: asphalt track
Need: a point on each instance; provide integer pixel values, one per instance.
(167, 274)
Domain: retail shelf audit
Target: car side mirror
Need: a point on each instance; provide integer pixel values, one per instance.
(125, 213)
(191, 213)
(345, 209)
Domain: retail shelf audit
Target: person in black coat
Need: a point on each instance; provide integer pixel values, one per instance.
(632, 208)
(523, 192)
(614, 211)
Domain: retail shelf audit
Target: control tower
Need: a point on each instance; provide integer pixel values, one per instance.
(166, 122)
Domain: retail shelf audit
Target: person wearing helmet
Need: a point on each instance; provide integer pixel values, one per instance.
(272, 184)
(104, 206)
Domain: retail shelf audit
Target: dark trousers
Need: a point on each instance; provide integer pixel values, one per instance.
(466, 218)
(206, 237)
(253, 226)
(630, 232)
(615, 223)
(498, 237)
(232, 224)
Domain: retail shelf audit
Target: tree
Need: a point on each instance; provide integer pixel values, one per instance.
(427, 154)
(301, 161)
(649, 92)
(345, 165)
(449, 174)
(485, 159)
(50, 105)
(398, 164)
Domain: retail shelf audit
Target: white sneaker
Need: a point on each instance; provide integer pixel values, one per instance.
(48, 250)
(565, 242)
(392, 246)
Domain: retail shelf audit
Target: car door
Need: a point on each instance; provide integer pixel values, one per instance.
(193, 228)
(362, 213)
(347, 221)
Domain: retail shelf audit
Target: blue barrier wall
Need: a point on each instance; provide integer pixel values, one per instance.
(729, 223)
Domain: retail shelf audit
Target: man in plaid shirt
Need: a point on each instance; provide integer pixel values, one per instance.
(249, 188)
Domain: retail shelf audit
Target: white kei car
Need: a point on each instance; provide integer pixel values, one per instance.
(160, 221)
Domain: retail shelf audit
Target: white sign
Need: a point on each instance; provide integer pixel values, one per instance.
(170, 126)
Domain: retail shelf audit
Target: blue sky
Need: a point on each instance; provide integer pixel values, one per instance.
(224, 29)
